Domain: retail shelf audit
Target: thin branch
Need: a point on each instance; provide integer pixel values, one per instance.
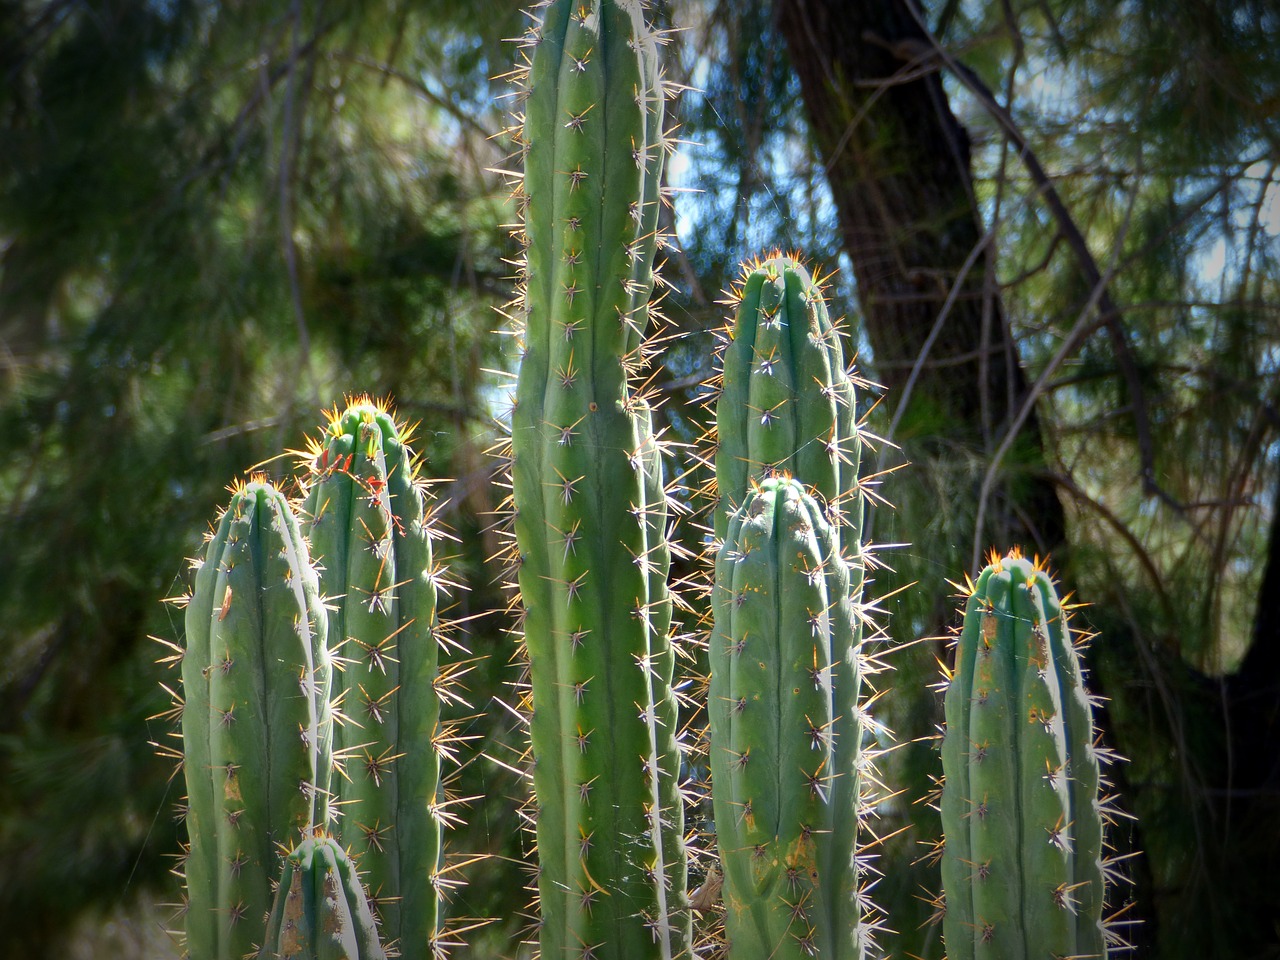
(923, 53)
(466, 119)
(290, 137)
(1074, 339)
(1128, 536)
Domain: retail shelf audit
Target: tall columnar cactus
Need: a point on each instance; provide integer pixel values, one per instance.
(256, 719)
(320, 911)
(1022, 859)
(370, 537)
(590, 512)
(785, 731)
(787, 401)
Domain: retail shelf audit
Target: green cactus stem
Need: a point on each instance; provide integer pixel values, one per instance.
(255, 719)
(786, 401)
(587, 484)
(370, 536)
(1022, 858)
(785, 731)
(320, 910)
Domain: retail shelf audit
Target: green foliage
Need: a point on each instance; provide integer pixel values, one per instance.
(152, 344)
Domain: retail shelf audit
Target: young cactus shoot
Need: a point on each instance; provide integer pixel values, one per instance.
(785, 730)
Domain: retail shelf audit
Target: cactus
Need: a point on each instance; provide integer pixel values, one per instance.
(785, 731)
(786, 400)
(587, 486)
(255, 718)
(1022, 858)
(320, 910)
(370, 537)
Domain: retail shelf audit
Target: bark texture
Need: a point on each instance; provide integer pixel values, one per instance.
(898, 165)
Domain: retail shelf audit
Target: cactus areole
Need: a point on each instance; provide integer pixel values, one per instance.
(785, 732)
(590, 510)
(1022, 860)
(255, 721)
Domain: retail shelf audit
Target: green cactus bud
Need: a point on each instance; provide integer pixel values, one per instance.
(785, 731)
(1022, 859)
(369, 532)
(590, 511)
(787, 401)
(256, 724)
(320, 910)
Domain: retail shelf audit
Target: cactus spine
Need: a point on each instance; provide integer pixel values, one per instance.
(256, 718)
(785, 731)
(320, 910)
(1022, 859)
(786, 400)
(370, 537)
(587, 484)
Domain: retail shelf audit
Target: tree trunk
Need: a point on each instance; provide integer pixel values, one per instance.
(899, 169)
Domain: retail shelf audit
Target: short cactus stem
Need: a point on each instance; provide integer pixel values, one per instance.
(587, 485)
(787, 400)
(785, 731)
(1022, 859)
(255, 718)
(320, 910)
(370, 535)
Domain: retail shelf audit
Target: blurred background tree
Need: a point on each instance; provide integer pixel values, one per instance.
(1055, 226)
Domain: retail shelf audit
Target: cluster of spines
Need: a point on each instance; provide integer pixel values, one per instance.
(1022, 859)
(591, 554)
(367, 516)
(785, 729)
(321, 911)
(255, 717)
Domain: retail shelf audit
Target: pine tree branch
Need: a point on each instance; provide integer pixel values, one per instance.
(931, 53)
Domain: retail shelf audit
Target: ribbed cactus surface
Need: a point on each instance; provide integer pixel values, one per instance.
(1022, 859)
(320, 910)
(369, 532)
(785, 734)
(255, 718)
(787, 401)
(590, 512)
